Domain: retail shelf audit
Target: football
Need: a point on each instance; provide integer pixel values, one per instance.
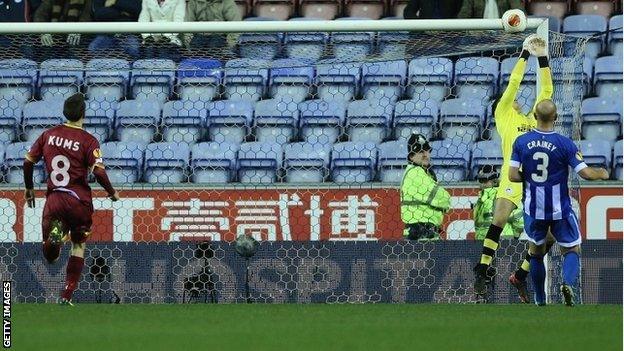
(514, 21)
(245, 245)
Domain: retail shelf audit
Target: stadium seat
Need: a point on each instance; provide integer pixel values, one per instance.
(213, 162)
(306, 162)
(384, 80)
(602, 8)
(528, 89)
(199, 79)
(14, 161)
(10, 117)
(617, 160)
(18, 78)
(123, 161)
(486, 153)
(41, 115)
(397, 7)
(554, 23)
(60, 78)
(321, 121)
(601, 118)
(415, 116)
(291, 79)
(449, 159)
(353, 162)
(429, 78)
(246, 79)
(392, 161)
(137, 120)
(393, 45)
(571, 77)
(323, 9)
(566, 114)
(259, 163)
(586, 25)
(99, 117)
(461, 119)
(338, 81)
(615, 35)
(352, 46)
(279, 10)
(184, 121)
(259, 46)
(276, 121)
(166, 163)
(370, 9)
(596, 153)
(153, 79)
(608, 77)
(107, 79)
(476, 77)
(369, 120)
(244, 7)
(305, 45)
(556, 8)
(229, 120)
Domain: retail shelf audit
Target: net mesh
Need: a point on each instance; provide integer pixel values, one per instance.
(282, 136)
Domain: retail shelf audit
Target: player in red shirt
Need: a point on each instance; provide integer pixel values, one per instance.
(69, 153)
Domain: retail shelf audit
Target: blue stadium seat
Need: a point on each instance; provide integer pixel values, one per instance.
(14, 161)
(528, 89)
(107, 79)
(586, 25)
(2, 165)
(259, 46)
(449, 159)
(601, 118)
(338, 81)
(213, 162)
(392, 44)
(123, 161)
(554, 23)
(184, 121)
(166, 163)
(415, 116)
(305, 45)
(461, 119)
(41, 115)
(615, 35)
(291, 79)
(18, 78)
(10, 117)
(571, 77)
(392, 161)
(617, 160)
(369, 120)
(246, 79)
(597, 153)
(352, 46)
(199, 79)
(153, 79)
(276, 120)
(306, 162)
(229, 120)
(137, 120)
(429, 78)
(608, 77)
(566, 115)
(476, 77)
(321, 121)
(353, 162)
(99, 117)
(486, 153)
(259, 163)
(60, 78)
(384, 80)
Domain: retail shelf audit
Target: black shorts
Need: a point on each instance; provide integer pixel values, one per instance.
(417, 231)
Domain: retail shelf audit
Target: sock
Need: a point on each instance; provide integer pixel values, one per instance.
(490, 244)
(538, 277)
(74, 269)
(571, 267)
(523, 270)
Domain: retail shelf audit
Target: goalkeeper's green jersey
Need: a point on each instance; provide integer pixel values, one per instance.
(483, 213)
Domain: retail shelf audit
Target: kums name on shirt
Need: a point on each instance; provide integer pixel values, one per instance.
(64, 143)
(541, 143)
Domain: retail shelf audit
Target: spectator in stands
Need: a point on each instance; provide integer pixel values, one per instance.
(165, 45)
(431, 9)
(116, 11)
(488, 8)
(207, 11)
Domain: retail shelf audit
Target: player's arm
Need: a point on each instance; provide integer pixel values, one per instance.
(30, 159)
(505, 103)
(537, 47)
(575, 160)
(514, 164)
(593, 173)
(94, 159)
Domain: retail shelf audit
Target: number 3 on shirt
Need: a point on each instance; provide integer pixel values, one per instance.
(542, 167)
(58, 170)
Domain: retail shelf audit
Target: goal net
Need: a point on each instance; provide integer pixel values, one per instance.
(291, 132)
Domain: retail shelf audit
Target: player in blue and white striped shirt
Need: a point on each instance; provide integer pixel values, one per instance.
(544, 157)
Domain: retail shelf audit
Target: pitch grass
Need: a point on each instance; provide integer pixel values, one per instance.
(316, 327)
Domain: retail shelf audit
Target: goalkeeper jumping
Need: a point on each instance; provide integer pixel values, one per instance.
(511, 123)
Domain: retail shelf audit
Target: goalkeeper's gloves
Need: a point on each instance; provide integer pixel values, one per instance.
(535, 45)
(73, 39)
(46, 40)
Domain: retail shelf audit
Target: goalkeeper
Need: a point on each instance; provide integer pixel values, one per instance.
(511, 123)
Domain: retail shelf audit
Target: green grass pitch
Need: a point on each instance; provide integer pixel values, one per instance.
(317, 327)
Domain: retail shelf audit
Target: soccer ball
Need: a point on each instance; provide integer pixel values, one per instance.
(514, 21)
(245, 245)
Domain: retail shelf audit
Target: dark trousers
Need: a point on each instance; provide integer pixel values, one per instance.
(418, 231)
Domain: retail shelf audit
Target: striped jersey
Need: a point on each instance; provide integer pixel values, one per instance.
(544, 158)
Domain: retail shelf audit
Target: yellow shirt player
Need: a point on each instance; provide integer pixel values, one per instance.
(511, 123)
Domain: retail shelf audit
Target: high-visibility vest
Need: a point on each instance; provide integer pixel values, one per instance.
(483, 213)
(422, 199)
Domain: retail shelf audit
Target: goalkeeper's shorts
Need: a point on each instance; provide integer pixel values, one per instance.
(510, 191)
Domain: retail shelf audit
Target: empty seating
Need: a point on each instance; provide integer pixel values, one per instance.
(476, 77)
(184, 121)
(60, 78)
(41, 115)
(153, 79)
(608, 77)
(246, 79)
(17, 79)
(596, 153)
(199, 79)
(305, 45)
(291, 79)
(107, 79)
(615, 35)
(392, 161)
(556, 8)
(123, 161)
(368, 120)
(371, 9)
(353, 162)
(393, 44)
(166, 163)
(10, 117)
(351, 46)
(276, 120)
(324, 9)
(229, 120)
(449, 159)
(137, 120)
(486, 153)
(601, 118)
(99, 117)
(276, 9)
(14, 161)
(617, 160)
(415, 116)
(461, 119)
(306, 162)
(384, 80)
(321, 121)
(213, 162)
(259, 46)
(259, 162)
(429, 78)
(570, 77)
(338, 81)
(602, 8)
(586, 25)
